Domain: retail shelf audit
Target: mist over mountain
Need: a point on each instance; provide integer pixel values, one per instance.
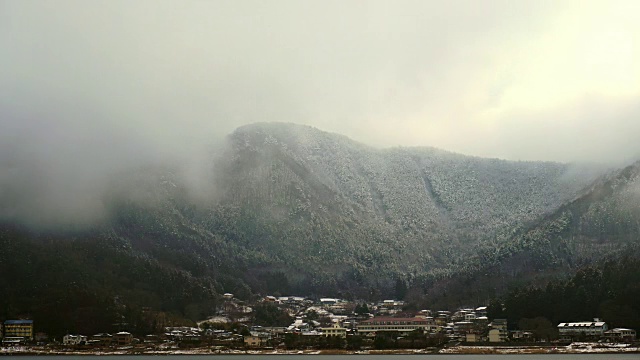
(291, 209)
(316, 199)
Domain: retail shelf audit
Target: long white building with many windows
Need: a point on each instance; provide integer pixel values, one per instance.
(400, 325)
(588, 328)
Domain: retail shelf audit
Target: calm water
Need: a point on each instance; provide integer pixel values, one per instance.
(352, 357)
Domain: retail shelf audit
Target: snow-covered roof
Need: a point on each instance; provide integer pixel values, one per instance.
(582, 324)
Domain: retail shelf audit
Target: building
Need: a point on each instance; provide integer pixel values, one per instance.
(328, 301)
(473, 337)
(520, 335)
(257, 339)
(335, 330)
(399, 325)
(620, 334)
(595, 328)
(13, 341)
(498, 332)
(500, 324)
(19, 329)
(123, 338)
(102, 339)
(497, 335)
(41, 337)
(70, 339)
(463, 327)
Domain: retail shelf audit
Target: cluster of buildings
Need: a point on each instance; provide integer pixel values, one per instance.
(467, 325)
(122, 338)
(329, 319)
(594, 330)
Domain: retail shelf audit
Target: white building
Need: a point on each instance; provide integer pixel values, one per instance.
(335, 330)
(328, 301)
(498, 335)
(588, 328)
(74, 339)
(399, 325)
(620, 334)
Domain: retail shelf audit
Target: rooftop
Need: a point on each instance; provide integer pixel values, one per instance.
(18, 322)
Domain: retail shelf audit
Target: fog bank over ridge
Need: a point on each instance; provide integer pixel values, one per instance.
(93, 90)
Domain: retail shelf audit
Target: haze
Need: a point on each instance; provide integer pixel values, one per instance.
(91, 88)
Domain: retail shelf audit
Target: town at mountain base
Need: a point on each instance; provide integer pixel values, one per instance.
(336, 326)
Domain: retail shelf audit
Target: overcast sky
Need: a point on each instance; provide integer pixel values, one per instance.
(90, 86)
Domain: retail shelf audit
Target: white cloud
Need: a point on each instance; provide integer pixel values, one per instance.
(95, 86)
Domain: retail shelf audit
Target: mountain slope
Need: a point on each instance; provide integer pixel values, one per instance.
(602, 224)
(330, 209)
(296, 210)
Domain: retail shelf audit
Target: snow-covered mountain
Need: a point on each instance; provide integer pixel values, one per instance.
(292, 209)
(329, 209)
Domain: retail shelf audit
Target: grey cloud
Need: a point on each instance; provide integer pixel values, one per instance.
(89, 89)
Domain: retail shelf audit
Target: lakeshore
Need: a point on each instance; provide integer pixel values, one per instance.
(574, 348)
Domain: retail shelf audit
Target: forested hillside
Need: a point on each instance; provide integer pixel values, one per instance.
(602, 224)
(608, 290)
(296, 210)
(346, 215)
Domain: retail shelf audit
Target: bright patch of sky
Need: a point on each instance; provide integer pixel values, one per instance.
(535, 80)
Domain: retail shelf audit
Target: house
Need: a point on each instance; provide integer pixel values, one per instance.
(463, 327)
(257, 339)
(41, 337)
(520, 335)
(70, 339)
(328, 301)
(335, 330)
(390, 307)
(498, 332)
(481, 311)
(13, 341)
(595, 328)
(19, 329)
(389, 303)
(497, 335)
(474, 337)
(464, 315)
(620, 334)
(102, 339)
(123, 338)
(227, 296)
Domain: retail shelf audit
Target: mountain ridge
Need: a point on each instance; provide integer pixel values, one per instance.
(299, 210)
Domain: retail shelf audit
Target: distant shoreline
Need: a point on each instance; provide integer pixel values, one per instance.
(575, 348)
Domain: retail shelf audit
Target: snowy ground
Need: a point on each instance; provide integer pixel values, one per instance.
(574, 348)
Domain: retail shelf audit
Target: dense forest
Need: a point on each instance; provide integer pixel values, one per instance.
(91, 284)
(601, 224)
(609, 291)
